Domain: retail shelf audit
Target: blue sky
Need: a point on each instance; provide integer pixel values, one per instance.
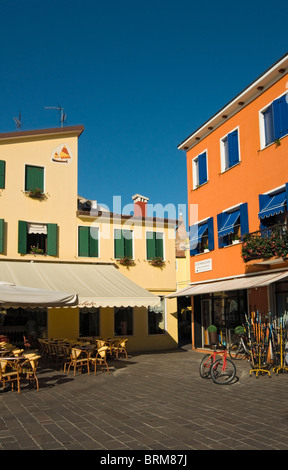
(139, 75)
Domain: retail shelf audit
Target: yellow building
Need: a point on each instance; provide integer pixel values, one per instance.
(51, 238)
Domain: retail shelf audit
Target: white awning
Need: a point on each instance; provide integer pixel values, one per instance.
(17, 296)
(95, 285)
(246, 282)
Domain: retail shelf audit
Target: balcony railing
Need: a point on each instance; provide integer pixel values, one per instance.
(266, 244)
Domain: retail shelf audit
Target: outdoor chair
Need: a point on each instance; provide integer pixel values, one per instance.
(78, 359)
(29, 368)
(98, 358)
(120, 348)
(9, 373)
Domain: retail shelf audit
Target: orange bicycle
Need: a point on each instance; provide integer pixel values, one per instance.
(222, 370)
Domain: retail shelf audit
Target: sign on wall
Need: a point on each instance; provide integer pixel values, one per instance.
(202, 266)
(62, 154)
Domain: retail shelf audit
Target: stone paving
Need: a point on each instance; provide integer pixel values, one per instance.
(151, 402)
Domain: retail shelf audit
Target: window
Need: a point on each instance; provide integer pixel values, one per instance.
(154, 245)
(123, 321)
(2, 235)
(199, 170)
(232, 225)
(2, 174)
(89, 322)
(123, 243)
(156, 319)
(274, 121)
(230, 154)
(273, 207)
(37, 238)
(201, 237)
(34, 178)
(88, 242)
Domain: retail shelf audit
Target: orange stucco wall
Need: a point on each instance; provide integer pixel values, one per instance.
(259, 171)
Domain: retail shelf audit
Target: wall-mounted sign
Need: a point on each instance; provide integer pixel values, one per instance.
(61, 154)
(202, 266)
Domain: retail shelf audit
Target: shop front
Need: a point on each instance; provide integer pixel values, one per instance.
(227, 303)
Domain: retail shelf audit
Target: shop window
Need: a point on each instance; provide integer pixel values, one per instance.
(123, 243)
(37, 238)
(156, 319)
(89, 324)
(123, 321)
(201, 237)
(20, 322)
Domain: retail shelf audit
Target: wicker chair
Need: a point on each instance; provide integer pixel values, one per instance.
(98, 358)
(10, 373)
(29, 369)
(78, 359)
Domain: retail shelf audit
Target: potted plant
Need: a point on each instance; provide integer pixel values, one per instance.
(35, 250)
(127, 261)
(158, 261)
(212, 333)
(36, 192)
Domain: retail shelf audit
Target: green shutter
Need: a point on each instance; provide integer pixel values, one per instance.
(83, 241)
(118, 244)
(22, 237)
(1, 235)
(150, 245)
(128, 243)
(34, 178)
(93, 242)
(2, 174)
(159, 245)
(52, 239)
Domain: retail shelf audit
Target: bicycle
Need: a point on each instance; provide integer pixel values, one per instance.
(221, 370)
(239, 348)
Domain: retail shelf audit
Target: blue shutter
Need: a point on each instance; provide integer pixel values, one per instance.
(193, 237)
(220, 221)
(233, 148)
(244, 219)
(268, 125)
(210, 233)
(202, 166)
(280, 116)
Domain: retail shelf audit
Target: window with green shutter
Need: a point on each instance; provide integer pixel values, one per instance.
(34, 178)
(88, 241)
(38, 239)
(2, 174)
(123, 243)
(154, 245)
(2, 226)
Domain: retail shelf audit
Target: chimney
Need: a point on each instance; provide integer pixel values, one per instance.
(140, 205)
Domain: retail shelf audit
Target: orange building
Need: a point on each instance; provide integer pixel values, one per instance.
(237, 174)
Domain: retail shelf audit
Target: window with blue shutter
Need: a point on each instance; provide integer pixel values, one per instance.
(201, 237)
(202, 168)
(273, 208)
(276, 120)
(232, 225)
(230, 150)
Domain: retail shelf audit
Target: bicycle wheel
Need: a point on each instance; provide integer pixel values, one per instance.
(205, 366)
(236, 351)
(223, 371)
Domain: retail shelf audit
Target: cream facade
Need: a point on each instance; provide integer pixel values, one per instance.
(42, 221)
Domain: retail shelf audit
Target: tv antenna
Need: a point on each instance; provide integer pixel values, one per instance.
(61, 112)
(18, 121)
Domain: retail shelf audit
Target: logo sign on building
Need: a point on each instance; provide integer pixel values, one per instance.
(202, 266)
(61, 154)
